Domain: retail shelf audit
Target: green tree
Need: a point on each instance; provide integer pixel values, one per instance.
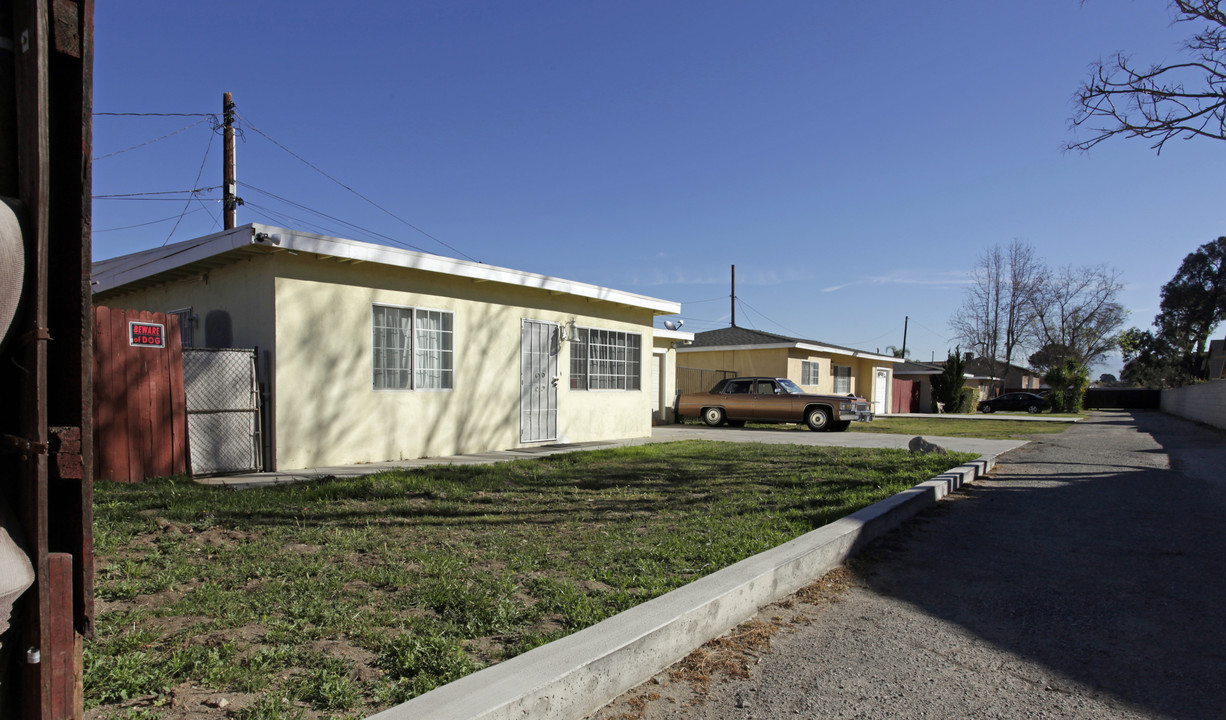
(947, 387)
(1194, 301)
(1069, 382)
(1150, 361)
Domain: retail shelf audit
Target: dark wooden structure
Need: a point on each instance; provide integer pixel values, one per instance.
(140, 415)
(904, 396)
(46, 66)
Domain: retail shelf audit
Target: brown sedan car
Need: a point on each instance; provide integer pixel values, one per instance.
(736, 401)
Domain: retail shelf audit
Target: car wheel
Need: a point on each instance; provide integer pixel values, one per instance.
(713, 417)
(840, 426)
(1033, 409)
(817, 418)
(986, 408)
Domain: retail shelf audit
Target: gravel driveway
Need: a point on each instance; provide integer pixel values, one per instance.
(1086, 578)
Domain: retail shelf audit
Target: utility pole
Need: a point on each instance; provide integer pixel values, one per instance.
(229, 198)
(734, 296)
(905, 321)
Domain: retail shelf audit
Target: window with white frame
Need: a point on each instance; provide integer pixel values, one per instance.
(809, 372)
(412, 348)
(605, 360)
(842, 378)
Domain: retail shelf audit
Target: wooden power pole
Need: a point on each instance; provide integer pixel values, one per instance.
(229, 186)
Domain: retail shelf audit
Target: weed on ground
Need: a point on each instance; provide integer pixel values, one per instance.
(338, 598)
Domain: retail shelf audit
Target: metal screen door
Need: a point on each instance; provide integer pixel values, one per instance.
(223, 410)
(538, 393)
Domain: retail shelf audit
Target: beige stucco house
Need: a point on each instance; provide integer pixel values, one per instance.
(815, 366)
(373, 353)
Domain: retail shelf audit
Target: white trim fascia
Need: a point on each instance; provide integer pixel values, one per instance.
(130, 268)
(678, 335)
(795, 346)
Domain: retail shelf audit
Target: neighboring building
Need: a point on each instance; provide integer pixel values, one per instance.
(1010, 378)
(373, 353)
(815, 366)
(1215, 362)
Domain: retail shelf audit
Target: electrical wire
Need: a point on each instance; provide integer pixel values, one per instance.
(350, 189)
(188, 204)
(107, 114)
(764, 317)
(160, 192)
(144, 224)
(352, 226)
(136, 147)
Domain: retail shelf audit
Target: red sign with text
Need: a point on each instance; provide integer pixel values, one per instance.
(144, 334)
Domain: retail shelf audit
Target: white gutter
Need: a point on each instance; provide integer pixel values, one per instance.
(796, 346)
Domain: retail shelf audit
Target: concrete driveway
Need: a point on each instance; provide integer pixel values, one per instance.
(1085, 578)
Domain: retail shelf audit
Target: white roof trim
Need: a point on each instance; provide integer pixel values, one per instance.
(795, 346)
(115, 272)
(678, 335)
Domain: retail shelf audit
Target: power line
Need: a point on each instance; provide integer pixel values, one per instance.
(102, 114)
(355, 192)
(353, 226)
(160, 192)
(188, 204)
(152, 222)
(135, 147)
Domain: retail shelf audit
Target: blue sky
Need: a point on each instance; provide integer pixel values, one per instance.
(851, 159)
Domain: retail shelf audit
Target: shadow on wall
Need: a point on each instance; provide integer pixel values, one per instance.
(218, 329)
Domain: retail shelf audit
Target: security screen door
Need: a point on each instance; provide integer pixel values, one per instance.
(538, 394)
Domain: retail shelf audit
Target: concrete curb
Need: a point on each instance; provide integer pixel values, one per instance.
(580, 673)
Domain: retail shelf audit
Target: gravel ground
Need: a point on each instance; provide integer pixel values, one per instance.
(1085, 579)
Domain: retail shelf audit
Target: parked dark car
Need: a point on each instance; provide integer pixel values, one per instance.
(1029, 402)
(769, 400)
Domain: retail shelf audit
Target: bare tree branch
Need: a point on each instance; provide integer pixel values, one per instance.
(1181, 100)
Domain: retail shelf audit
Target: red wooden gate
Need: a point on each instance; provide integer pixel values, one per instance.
(905, 397)
(140, 412)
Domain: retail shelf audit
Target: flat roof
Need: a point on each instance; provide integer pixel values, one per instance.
(165, 264)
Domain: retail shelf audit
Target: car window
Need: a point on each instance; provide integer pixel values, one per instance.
(767, 387)
(790, 387)
(739, 387)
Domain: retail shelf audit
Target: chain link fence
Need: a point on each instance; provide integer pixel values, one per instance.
(223, 410)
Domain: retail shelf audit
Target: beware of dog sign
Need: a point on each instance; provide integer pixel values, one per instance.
(146, 334)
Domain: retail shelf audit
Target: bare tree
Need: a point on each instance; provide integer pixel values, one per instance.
(997, 314)
(1078, 308)
(1160, 102)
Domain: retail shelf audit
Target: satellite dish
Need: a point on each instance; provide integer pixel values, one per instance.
(673, 325)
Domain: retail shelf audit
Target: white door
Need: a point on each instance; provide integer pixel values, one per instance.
(881, 392)
(538, 387)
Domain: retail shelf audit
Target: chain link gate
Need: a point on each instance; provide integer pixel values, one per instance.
(223, 410)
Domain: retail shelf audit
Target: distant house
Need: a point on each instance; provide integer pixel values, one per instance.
(814, 365)
(373, 353)
(1009, 378)
(978, 376)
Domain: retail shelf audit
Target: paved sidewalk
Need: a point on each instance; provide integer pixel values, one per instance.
(1085, 578)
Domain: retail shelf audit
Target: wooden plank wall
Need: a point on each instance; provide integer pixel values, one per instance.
(140, 410)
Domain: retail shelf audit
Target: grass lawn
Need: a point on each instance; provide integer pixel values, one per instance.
(995, 429)
(335, 599)
(999, 428)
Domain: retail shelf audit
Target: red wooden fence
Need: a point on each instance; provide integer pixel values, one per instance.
(905, 396)
(140, 411)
